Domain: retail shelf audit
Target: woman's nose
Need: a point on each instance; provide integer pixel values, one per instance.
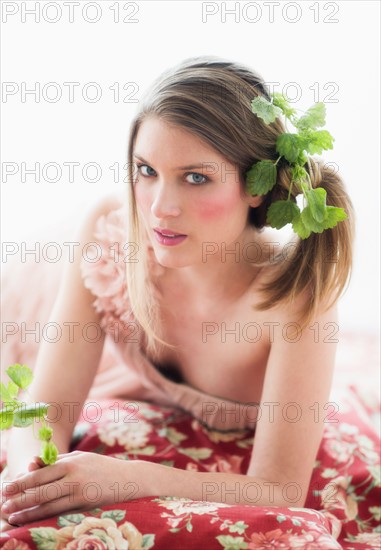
(166, 201)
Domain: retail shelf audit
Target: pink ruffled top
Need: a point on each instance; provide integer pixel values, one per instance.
(125, 371)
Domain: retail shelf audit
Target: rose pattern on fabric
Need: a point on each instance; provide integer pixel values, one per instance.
(343, 510)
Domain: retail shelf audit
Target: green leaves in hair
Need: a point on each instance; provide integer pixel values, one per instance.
(316, 215)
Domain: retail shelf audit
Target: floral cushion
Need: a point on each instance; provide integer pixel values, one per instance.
(343, 508)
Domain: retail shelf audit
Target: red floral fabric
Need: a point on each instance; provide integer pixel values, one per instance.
(343, 509)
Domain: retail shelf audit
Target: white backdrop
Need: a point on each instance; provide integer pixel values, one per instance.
(329, 50)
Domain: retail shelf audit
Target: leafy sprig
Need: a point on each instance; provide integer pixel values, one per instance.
(20, 414)
(316, 215)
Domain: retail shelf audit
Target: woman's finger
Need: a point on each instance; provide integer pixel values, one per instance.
(36, 497)
(49, 509)
(35, 466)
(37, 460)
(42, 476)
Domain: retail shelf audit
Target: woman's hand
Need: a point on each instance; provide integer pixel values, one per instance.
(35, 464)
(77, 481)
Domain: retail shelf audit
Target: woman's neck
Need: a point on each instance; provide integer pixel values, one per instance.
(216, 281)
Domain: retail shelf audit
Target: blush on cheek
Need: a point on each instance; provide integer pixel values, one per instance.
(213, 208)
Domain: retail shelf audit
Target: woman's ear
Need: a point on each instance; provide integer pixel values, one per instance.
(254, 200)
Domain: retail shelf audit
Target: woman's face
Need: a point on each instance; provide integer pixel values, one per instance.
(184, 187)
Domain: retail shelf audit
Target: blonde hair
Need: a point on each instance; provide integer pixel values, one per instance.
(211, 98)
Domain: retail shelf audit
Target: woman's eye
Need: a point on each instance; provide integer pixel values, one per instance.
(142, 166)
(197, 178)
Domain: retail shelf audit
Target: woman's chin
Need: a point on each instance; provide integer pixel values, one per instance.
(171, 258)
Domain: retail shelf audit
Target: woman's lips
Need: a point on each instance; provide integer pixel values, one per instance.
(168, 237)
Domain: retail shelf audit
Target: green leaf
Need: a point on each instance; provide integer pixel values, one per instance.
(316, 199)
(196, 453)
(148, 541)
(289, 146)
(317, 142)
(174, 436)
(280, 101)
(334, 215)
(302, 158)
(238, 527)
(149, 450)
(375, 472)
(281, 213)
(116, 515)
(4, 393)
(265, 110)
(245, 443)
(70, 519)
(95, 511)
(13, 389)
(26, 415)
(45, 538)
(299, 174)
(45, 433)
(261, 177)
(8, 394)
(21, 375)
(309, 221)
(314, 117)
(189, 527)
(299, 227)
(232, 543)
(6, 418)
(49, 452)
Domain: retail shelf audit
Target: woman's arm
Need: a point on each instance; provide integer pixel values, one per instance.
(295, 407)
(160, 480)
(295, 400)
(64, 369)
(83, 480)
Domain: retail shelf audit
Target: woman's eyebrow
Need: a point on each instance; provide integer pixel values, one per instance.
(189, 167)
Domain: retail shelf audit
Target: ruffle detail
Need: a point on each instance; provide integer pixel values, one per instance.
(106, 277)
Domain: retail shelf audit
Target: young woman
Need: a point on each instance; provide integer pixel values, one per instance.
(212, 314)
